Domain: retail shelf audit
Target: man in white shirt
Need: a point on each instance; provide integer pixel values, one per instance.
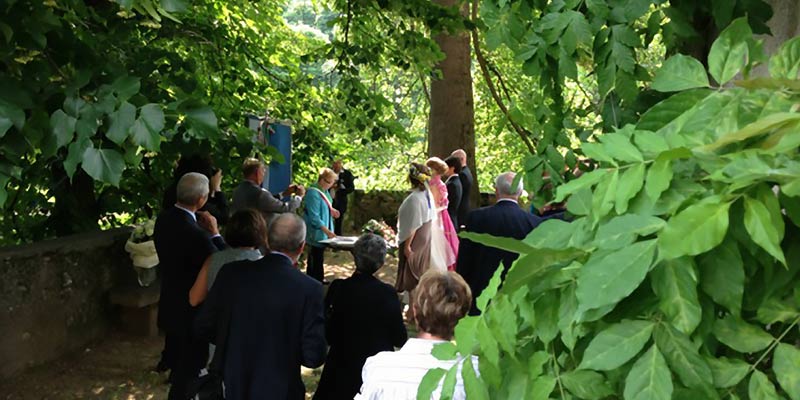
(440, 299)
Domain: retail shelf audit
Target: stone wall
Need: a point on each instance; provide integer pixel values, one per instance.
(54, 295)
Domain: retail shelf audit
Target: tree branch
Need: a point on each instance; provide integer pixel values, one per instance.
(529, 143)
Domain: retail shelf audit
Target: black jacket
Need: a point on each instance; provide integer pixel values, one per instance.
(454, 196)
(182, 247)
(476, 262)
(466, 188)
(363, 318)
(344, 186)
(276, 325)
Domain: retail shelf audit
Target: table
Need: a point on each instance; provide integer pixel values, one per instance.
(341, 242)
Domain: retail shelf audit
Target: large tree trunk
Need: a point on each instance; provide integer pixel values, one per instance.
(452, 119)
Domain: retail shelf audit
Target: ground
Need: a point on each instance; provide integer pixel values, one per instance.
(120, 366)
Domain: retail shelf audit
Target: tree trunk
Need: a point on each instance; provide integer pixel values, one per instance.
(451, 124)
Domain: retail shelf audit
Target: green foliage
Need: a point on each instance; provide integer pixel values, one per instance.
(677, 278)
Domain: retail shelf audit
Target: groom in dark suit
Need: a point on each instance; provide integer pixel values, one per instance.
(184, 238)
(476, 262)
(275, 315)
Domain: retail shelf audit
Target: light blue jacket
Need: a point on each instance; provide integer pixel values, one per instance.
(317, 214)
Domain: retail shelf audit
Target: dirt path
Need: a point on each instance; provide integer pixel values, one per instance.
(119, 367)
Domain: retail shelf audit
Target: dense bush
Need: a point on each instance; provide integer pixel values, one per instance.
(678, 276)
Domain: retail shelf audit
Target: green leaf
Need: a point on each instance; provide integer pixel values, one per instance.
(489, 348)
(473, 386)
(722, 10)
(125, 87)
(429, 383)
(121, 123)
(675, 284)
(629, 185)
(10, 115)
(622, 230)
(466, 335)
(758, 223)
(449, 383)
(615, 345)
(697, 229)
(650, 143)
(444, 351)
(620, 148)
(598, 152)
(722, 276)
(103, 165)
(541, 387)
(529, 268)
(740, 335)
(786, 364)
(584, 181)
(649, 379)
(727, 372)
(586, 384)
(774, 310)
(760, 388)
(607, 279)
(659, 177)
(678, 73)
(670, 109)
(75, 153)
(546, 308)
(728, 53)
(491, 289)
(759, 127)
(174, 6)
(551, 234)
(683, 358)
(502, 243)
(604, 196)
(63, 127)
(785, 63)
(580, 203)
(203, 121)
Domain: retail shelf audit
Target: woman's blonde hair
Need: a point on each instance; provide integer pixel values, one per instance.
(437, 165)
(440, 299)
(328, 174)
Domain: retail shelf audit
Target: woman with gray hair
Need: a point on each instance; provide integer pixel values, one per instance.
(363, 318)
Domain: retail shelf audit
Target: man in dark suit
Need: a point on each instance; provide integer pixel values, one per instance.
(466, 187)
(275, 315)
(454, 188)
(184, 238)
(344, 186)
(476, 262)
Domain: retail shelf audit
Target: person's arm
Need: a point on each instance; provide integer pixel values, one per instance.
(268, 203)
(407, 248)
(399, 335)
(453, 197)
(313, 345)
(199, 290)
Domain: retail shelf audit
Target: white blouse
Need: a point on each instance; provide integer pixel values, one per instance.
(397, 375)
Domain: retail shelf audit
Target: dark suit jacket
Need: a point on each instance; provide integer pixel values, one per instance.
(363, 318)
(345, 186)
(182, 247)
(454, 195)
(466, 188)
(476, 262)
(276, 325)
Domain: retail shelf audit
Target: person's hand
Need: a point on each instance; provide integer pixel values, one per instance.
(335, 213)
(207, 222)
(215, 182)
(328, 233)
(300, 190)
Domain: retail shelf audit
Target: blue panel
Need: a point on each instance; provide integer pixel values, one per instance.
(280, 174)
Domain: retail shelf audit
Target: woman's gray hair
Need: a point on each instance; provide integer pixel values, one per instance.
(191, 187)
(369, 253)
(503, 184)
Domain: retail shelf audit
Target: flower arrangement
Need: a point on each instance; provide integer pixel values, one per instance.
(142, 250)
(383, 230)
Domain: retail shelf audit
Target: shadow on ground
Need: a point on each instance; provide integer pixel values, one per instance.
(119, 367)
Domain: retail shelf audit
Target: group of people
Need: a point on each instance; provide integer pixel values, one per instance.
(237, 303)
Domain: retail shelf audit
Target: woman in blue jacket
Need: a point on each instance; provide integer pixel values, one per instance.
(319, 215)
